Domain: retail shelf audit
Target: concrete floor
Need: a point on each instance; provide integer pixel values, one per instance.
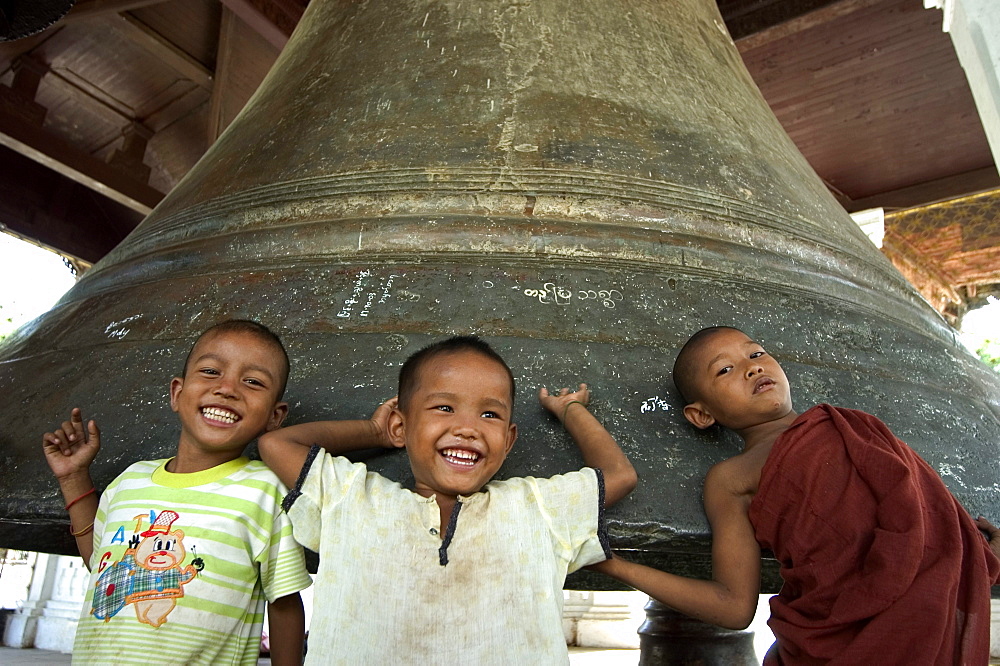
(577, 657)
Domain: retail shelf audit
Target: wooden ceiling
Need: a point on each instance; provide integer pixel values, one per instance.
(104, 112)
(872, 93)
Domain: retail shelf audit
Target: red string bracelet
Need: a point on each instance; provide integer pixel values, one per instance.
(89, 492)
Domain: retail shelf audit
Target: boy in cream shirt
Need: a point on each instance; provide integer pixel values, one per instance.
(460, 569)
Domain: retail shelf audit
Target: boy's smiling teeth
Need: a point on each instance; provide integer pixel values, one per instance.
(218, 414)
(461, 456)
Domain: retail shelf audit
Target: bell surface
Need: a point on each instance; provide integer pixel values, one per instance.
(21, 18)
(585, 184)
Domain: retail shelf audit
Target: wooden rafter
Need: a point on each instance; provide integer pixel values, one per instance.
(244, 57)
(89, 96)
(969, 182)
(167, 53)
(274, 20)
(89, 8)
(782, 21)
(63, 158)
(223, 65)
(39, 205)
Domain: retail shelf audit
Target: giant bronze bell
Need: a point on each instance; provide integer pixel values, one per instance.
(21, 18)
(584, 183)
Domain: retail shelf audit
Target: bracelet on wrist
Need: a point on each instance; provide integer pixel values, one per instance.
(81, 532)
(569, 404)
(89, 492)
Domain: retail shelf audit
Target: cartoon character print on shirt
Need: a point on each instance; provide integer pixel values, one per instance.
(149, 574)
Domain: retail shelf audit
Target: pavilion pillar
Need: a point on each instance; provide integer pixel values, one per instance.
(602, 619)
(48, 617)
(974, 26)
(994, 628)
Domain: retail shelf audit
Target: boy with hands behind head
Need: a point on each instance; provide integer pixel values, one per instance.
(879, 561)
(194, 544)
(460, 569)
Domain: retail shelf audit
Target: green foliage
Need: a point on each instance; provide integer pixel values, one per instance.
(6, 325)
(989, 352)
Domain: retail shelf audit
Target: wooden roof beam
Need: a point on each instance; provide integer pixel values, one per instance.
(780, 24)
(165, 51)
(244, 58)
(970, 182)
(40, 206)
(84, 9)
(77, 165)
(274, 20)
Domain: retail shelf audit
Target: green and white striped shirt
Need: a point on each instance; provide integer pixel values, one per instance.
(183, 564)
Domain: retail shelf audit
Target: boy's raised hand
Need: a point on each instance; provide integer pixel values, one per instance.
(285, 450)
(560, 403)
(597, 446)
(380, 422)
(71, 447)
(69, 450)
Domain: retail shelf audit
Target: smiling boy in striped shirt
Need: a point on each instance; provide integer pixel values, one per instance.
(197, 543)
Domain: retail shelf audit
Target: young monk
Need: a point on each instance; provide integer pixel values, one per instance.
(880, 563)
(459, 569)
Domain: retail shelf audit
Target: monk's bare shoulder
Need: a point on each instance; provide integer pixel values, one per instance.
(739, 475)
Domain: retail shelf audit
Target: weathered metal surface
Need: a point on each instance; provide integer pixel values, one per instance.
(584, 183)
(21, 18)
(669, 638)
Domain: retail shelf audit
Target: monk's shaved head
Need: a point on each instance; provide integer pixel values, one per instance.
(684, 366)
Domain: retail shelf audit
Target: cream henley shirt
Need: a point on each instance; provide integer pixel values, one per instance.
(389, 590)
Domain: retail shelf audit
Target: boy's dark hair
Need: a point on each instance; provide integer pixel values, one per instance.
(684, 370)
(255, 329)
(410, 371)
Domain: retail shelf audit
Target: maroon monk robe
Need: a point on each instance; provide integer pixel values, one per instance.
(881, 565)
